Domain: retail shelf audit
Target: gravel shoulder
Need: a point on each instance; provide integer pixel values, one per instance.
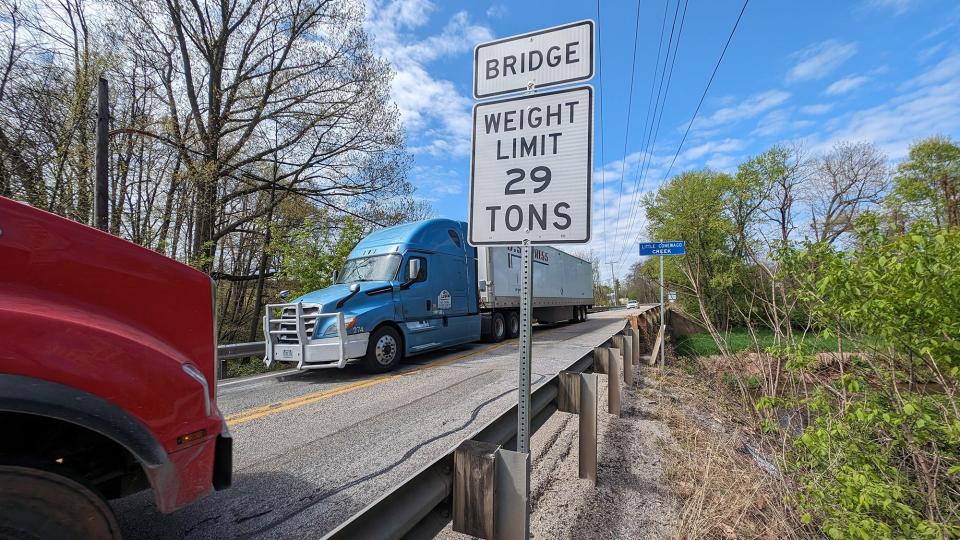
(630, 500)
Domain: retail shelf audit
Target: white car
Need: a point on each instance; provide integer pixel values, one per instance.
(632, 304)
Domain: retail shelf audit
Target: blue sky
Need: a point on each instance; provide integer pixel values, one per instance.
(813, 72)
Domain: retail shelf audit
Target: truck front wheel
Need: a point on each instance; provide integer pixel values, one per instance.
(36, 503)
(384, 350)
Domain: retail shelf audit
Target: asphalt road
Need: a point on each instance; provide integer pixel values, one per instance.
(312, 448)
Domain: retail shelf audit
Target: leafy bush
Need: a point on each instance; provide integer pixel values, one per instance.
(881, 457)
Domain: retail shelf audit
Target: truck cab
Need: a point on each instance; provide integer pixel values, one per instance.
(107, 378)
(404, 290)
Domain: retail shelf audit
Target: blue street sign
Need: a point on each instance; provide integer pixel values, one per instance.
(663, 248)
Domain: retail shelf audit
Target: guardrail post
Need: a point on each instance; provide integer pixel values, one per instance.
(588, 426)
(512, 493)
(613, 384)
(606, 362)
(601, 359)
(568, 393)
(474, 488)
(635, 339)
(578, 395)
(627, 359)
(624, 343)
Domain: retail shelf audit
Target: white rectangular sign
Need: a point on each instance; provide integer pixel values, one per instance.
(548, 57)
(530, 173)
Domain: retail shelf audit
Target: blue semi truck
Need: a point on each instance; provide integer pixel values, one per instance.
(418, 287)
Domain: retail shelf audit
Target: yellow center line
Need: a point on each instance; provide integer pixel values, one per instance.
(249, 415)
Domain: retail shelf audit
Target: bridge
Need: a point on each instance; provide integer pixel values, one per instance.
(317, 449)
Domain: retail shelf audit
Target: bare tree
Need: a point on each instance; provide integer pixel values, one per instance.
(249, 82)
(233, 123)
(849, 179)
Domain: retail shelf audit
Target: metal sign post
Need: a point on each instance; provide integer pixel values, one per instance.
(526, 328)
(663, 324)
(662, 249)
(524, 370)
(530, 175)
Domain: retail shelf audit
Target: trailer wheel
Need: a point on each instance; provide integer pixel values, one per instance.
(583, 313)
(498, 327)
(513, 324)
(37, 504)
(384, 350)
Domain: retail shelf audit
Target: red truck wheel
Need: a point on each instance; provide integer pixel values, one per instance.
(39, 504)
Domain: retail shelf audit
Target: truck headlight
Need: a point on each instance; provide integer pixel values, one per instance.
(348, 323)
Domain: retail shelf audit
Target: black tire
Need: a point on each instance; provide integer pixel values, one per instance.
(384, 350)
(39, 504)
(584, 312)
(513, 324)
(498, 327)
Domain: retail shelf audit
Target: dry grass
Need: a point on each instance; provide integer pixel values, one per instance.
(723, 493)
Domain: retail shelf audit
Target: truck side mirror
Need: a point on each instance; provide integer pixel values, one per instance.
(284, 294)
(413, 270)
(335, 276)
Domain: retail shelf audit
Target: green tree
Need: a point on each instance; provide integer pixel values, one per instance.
(927, 184)
(696, 207)
(309, 257)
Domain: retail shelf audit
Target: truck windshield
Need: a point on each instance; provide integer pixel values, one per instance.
(376, 268)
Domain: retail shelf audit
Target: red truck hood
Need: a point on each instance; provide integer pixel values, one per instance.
(60, 261)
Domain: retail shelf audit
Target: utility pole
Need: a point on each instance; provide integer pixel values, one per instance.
(100, 195)
(613, 279)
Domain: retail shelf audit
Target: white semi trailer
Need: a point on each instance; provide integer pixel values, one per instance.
(562, 288)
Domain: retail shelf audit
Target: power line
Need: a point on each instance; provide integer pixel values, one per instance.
(648, 161)
(650, 143)
(603, 159)
(626, 134)
(703, 96)
(707, 89)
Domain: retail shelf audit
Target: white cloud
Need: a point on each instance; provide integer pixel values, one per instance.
(497, 10)
(820, 59)
(749, 108)
(772, 123)
(845, 85)
(435, 181)
(712, 147)
(930, 105)
(898, 7)
(949, 21)
(930, 52)
(945, 70)
(432, 109)
(816, 109)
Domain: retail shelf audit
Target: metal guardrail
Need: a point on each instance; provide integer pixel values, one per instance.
(420, 508)
(598, 309)
(240, 350)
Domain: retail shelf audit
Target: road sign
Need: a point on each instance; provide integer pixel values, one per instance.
(663, 248)
(558, 55)
(531, 165)
(530, 173)
(676, 247)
